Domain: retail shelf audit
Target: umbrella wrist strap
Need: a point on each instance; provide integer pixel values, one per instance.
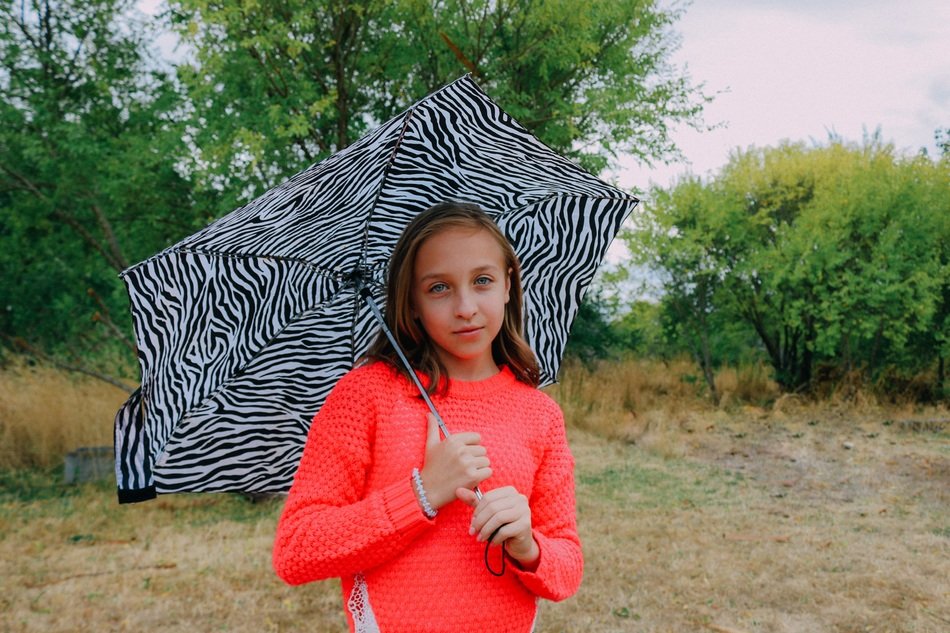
(504, 555)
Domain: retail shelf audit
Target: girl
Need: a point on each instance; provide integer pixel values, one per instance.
(382, 501)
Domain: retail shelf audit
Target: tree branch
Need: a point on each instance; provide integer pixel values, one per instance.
(459, 55)
(27, 183)
(89, 238)
(105, 318)
(113, 243)
(21, 344)
(278, 90)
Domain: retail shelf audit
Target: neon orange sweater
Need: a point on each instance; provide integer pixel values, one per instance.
(352, 512)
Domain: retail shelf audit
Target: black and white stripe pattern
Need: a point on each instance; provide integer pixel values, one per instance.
(245, 326)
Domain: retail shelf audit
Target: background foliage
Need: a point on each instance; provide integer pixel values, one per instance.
(821, 261)
(834, 258)
(108, 154)
(276, 86)
(88, 144)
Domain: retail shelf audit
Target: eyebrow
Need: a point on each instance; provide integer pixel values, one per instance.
(477, 270)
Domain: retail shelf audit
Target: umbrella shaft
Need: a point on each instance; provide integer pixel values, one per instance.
(412, 373)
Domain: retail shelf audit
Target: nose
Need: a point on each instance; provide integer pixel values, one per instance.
(465, 305)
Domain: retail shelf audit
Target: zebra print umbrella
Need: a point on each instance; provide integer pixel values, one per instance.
(244, 327)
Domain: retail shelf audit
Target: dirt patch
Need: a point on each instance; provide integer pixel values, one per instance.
(832, 460)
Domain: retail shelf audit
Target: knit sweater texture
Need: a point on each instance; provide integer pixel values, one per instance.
(352, 512)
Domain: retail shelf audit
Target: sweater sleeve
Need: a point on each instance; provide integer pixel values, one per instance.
(553, 516)
(328, 528)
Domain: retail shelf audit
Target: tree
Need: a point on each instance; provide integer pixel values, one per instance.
(640, 331)
(87, 180)
(592, 337)
(833, 255)
(592, 79)
(844, 265)
(942, 138)
(937, 339)
(679, 237)
(276, 86)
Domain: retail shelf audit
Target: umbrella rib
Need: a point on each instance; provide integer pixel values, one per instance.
(361, 267)
(624, 197)
(382, 184)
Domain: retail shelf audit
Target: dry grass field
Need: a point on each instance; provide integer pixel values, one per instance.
(45, 413)
(761, 515)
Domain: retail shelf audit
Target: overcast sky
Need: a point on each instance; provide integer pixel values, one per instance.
(800, 69)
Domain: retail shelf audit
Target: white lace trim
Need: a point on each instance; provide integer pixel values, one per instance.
(364, 620)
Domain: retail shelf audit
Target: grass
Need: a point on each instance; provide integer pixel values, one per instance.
(45, 413)
(757, 516)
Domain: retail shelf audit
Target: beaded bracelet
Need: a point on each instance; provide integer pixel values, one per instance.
(426, 506)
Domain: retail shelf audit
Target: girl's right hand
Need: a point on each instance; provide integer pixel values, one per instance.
(459, 461)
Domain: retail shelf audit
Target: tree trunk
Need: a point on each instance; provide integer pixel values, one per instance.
(706, 359)
(347, 29)
(941, 375)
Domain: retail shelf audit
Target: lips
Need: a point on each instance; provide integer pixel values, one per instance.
(468, 330)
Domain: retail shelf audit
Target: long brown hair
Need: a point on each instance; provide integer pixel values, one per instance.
(509, 346)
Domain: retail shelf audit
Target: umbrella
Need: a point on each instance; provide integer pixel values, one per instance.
(244, 327)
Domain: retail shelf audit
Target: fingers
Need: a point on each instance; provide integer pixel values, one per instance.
(503, 508)
(434, 434)
(466, 439)
(467, 458)
(507, 511)
(499, 527)
(458, 461)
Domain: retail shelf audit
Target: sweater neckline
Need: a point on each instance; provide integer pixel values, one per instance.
(471, 389)
(462, 389)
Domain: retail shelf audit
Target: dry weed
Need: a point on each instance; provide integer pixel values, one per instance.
(628, 400)
(747, 384)
(780, 530)
(45, 413)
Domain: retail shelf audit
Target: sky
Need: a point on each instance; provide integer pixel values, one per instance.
(803, 69)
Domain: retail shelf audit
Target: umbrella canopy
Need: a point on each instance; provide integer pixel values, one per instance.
(244, 327)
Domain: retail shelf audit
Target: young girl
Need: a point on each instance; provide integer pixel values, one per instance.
(382, 501)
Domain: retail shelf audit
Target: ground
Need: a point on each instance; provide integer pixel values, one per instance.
(797, 519)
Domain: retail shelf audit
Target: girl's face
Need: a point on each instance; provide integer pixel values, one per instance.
(460, 286)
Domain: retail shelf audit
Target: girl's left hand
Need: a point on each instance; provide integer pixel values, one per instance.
(508, 508)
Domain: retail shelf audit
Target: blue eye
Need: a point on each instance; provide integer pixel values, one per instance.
(483, 281)
(439, 287)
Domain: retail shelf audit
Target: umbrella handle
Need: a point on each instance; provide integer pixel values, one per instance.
(366, 294)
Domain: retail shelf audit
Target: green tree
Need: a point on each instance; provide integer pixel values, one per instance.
(679, 238)
(936, 340)
(88, 144)
(592, 336)
(276, 86)
(844, 264)
(832, 255)
(592, 79)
